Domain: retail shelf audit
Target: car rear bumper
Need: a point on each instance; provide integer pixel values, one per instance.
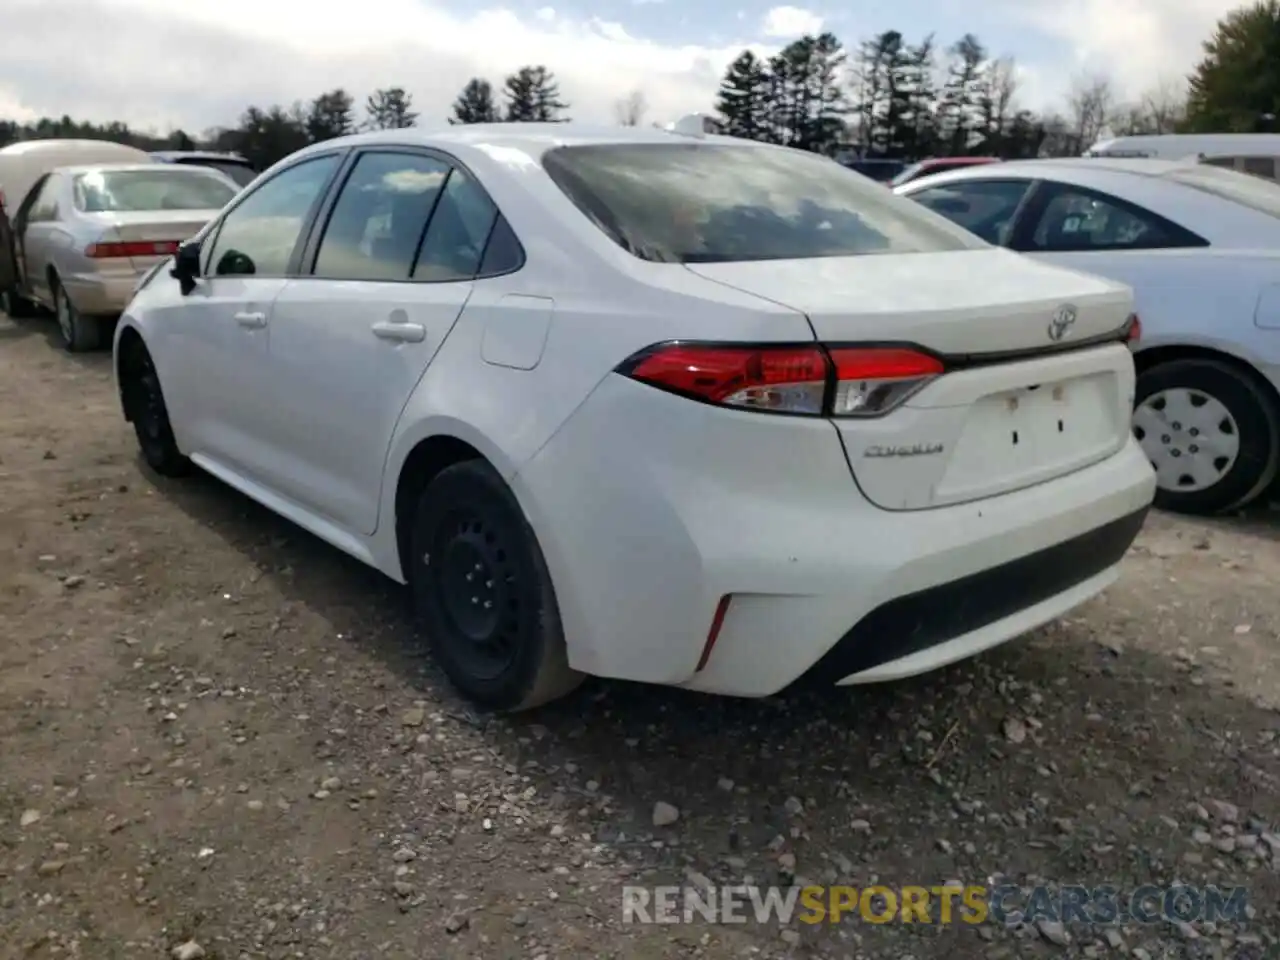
(651, 508)
(101, 294)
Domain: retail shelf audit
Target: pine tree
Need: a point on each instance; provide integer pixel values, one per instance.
(533, 95)
(329, 116)
(390, 109)
(743, 99)
(1236, 86)
(475, 103)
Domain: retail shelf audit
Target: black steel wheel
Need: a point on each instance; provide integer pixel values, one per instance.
(145, 408)
(483, 593)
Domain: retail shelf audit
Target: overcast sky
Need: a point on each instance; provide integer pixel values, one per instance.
(164, 63)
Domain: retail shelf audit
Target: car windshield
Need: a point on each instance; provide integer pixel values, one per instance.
(907, 175)
(158, 188)
(242, 173)
(711, 203)
(1250, 191)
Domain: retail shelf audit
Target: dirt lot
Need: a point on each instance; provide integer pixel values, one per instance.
(221, 739)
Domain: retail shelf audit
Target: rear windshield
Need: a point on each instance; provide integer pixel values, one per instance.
(713, 203)
(242, 173)
(1250, 191)
(158, 188)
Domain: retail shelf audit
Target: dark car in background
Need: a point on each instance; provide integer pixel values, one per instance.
(882, 171)
(232, 164)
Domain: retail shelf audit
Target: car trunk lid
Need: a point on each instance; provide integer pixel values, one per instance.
(1038, 384)
(146, 237)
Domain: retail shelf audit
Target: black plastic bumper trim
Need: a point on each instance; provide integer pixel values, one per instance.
(918, 621)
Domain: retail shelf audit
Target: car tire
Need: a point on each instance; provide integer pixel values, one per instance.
(146, 409)
(1222, 404)
(483, 594)
(80, 334)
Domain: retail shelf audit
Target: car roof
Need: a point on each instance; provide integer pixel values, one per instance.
(198, 155)
(532, 139)
(98, 167)
(1068, 167)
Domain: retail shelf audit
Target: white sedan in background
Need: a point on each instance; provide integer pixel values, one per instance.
(673, 408)
(1200, 246)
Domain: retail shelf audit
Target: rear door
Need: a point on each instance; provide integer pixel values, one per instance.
(383, 284)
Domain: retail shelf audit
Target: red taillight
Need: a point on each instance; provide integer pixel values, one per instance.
(717, 621)
(1133, 329)
(136, 248)
(811, 379)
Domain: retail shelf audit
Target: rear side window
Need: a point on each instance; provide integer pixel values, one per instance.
(1252, 192)
(712, 203)
(1080, 220)
(459, 228)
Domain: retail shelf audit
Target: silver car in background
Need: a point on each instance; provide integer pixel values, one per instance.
(88, 234)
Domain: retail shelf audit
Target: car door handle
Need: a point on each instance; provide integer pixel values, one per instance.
(252, 321)
(402, 332)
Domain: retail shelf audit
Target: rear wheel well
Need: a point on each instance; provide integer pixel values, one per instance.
(1145, 360)
(424, 462)
(131, 347)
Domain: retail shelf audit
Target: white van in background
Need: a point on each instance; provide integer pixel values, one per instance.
(1255, 153)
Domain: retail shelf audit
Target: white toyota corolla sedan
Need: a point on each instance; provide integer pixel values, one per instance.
(680, 409)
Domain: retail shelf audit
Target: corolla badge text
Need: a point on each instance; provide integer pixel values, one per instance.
(906, 450)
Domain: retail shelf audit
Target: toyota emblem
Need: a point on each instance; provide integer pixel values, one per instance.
(1063, 319)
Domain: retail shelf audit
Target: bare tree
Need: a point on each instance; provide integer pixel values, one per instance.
(630, 110)
(1090, 107)
(1166, 104)
(997, 88)
(1159, 110)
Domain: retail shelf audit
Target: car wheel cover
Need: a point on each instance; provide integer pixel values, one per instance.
(1190, 437)
(473, 573)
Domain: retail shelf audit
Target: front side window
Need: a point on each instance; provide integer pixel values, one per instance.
(710, 203)
(259, 235)
(1079, 220)
(145, 191)
(983, 207)
(377, 224)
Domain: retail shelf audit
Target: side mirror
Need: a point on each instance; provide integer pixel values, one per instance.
(186, 266)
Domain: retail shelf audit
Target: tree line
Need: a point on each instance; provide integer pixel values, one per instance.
(888, 96)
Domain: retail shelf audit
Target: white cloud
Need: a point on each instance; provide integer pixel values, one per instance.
(1140, 44)
(790, 22)
(159, 64)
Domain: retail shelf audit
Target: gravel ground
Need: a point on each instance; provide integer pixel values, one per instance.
(221, 739)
